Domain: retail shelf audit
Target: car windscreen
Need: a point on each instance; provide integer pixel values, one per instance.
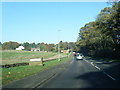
(79, 55)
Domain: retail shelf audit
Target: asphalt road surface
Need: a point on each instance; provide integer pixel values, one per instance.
(82, 74)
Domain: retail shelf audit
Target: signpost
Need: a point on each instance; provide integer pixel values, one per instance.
(38, 61)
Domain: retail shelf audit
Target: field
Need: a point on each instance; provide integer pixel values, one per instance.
(15, 73)
(12, 56)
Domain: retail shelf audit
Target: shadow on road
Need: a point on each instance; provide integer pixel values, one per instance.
(100, 80)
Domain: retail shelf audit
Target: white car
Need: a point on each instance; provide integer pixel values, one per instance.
(79, 57)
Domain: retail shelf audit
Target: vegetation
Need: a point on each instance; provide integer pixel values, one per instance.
(0, 46)
(101, 38)
(42, 46)
(15, 73)
(12, 56)
(10, 45)
(66, 45)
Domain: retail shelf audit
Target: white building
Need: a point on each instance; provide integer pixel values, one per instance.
(20, 48)
(35, 49)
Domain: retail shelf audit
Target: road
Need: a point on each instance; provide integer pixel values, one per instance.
(84, 74)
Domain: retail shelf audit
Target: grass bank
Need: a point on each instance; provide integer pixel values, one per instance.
(16, 73)
(108, 60)
(112, 60)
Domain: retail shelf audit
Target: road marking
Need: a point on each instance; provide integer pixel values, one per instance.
(97, 67)
(105, 73)
(86, 61)
(109, 76)
(71, 62)
(92, 63)
(101, 70)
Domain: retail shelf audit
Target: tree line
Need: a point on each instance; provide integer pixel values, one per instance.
(42, 46)
(101, 38)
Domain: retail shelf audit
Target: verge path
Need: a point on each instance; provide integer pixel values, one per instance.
(54, 57)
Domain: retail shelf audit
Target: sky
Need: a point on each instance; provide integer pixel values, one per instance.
(47, 22)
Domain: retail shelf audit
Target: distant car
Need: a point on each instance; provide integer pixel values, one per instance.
(79, 57)
(74, 54)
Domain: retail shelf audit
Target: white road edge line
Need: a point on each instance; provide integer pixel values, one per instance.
(109, 76)
(101, 70)
(105, 73)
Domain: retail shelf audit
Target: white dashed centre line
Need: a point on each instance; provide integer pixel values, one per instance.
(97, 67)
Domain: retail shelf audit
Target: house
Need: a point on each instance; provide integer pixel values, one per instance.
(35, 49)
(64, 51)
(20, 48)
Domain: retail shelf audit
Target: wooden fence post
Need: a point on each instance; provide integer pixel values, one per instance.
(42, 61)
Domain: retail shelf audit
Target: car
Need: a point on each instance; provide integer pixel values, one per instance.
(74, 54)
(79, 57)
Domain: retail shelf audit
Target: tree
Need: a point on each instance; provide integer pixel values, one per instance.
(27, 46)
(72, 46)
(10, 45)
(101, 37)
(33, 45)
(0, 46)
(42, 46)
(50, 47)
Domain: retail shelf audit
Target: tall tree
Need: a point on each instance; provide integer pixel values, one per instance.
(27, 46)
(33, 45)
(10, 45)
(0, 44)
(101, 37)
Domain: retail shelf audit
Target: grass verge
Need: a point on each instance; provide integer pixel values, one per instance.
(112, 60)
(16, 73)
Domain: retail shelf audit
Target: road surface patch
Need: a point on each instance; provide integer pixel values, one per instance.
(86, 61)
(109, 76)
(101, 70)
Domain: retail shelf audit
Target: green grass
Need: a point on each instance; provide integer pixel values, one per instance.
(15, 73)
(13, 56)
